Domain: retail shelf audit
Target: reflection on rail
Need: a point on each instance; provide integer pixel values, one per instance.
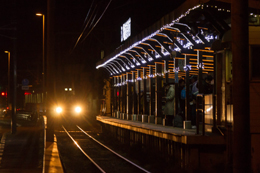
(135, 165)
(83, 151)
(114, 151)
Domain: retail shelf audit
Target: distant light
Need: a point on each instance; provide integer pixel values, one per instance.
(3, 93)
(39, 14)
(66, 89)
(58, 109)
(70, 89)
(27, 93)
(78, 109)
(7, 52)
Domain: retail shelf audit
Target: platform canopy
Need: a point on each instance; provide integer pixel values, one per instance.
(183, 32)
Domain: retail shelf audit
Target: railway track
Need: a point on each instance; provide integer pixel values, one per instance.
(95, 156)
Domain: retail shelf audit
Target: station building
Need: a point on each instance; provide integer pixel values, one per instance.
(218, 38)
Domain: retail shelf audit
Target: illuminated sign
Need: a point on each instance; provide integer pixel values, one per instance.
(126, 30)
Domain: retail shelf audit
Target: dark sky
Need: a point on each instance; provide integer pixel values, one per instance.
(69, 23)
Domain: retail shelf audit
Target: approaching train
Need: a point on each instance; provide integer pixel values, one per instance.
(69, 105)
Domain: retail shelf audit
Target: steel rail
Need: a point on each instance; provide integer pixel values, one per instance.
(113, 151)
(83, 151)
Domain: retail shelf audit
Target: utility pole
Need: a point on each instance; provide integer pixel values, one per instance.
(50, 70)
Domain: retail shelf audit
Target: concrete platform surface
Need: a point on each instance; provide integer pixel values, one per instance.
(185, 136)
(24, 151)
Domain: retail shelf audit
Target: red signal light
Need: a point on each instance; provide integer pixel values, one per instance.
(27, 93)
(3, 93)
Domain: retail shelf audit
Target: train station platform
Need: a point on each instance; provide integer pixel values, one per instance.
(180, 135)
(27, 149)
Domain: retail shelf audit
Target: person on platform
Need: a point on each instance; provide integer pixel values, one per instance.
(169, 105)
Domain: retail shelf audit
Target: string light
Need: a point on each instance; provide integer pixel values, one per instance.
(176, 70)
(150, 36)
(200, 65)
(187, 67)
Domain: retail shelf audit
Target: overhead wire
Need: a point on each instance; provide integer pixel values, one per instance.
(97, 21)
(86, 25)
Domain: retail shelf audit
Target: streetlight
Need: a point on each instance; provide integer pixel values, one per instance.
(8, 88)
(43, 69)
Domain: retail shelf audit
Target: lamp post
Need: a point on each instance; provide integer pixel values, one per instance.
(43, 58)
(8, 87)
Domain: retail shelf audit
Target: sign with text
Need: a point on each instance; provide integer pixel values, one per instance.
(126, 30)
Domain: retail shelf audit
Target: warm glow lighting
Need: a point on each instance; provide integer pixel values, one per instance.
(38, 14)
(66, 89)
(58, 110)
(70, 89)
(78, 109)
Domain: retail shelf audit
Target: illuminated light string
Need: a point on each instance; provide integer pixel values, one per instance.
(200, 65)
(167, 71)
(177, 69)
(187, 67)
(150, 36)
(188, 45)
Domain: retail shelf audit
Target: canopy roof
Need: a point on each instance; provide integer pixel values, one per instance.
(195, 29)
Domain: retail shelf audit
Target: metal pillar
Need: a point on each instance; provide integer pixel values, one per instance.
(241, 113)
(115, 96)
(50, 97)
(14, 96)
(118, 93)
(129, 99)
(158, 90)
(200, 65)
(134, 111)
(145, 109)
(165, 69)
(138, 91)
(187, 86)
(176, 100)
(123, 91)
(151, 91)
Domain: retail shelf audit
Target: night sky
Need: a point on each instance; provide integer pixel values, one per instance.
(69, 23)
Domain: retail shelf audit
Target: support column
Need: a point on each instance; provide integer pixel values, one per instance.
(176, 89)
(240, 69)
(115, 97)
(187, 122)
(129, 99)
(145, 106)
(200, 66)
(134, 111)
(138, 91)
(118, 93)
(166, 73)
(152, 95)
(124, 94)
(158, 93)
(121, 97)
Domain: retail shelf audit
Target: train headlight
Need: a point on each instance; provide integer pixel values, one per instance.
(58, 110)
(78, 109)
